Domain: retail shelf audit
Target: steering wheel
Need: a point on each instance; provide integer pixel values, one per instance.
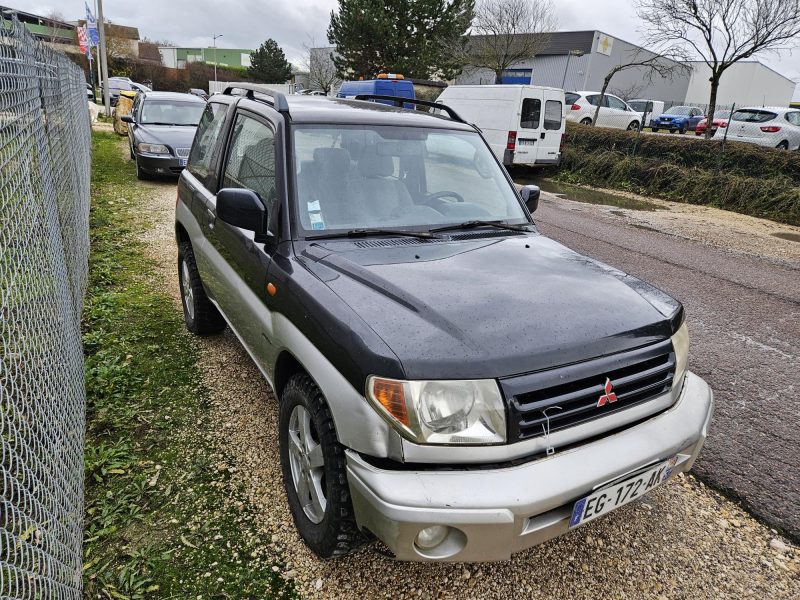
(436, 198)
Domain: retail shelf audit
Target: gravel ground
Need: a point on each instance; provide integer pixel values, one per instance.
(681, 541)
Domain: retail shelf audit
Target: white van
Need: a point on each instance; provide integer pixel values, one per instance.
(523, 124)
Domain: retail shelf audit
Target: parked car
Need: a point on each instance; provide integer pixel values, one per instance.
(523, 124)
(384, 85)
(89, 92)
(161, 127)
(678, 119)
(766, 126)
(720, 120)
(115, 85)
(647, 107)
(140, 87)
(199, 93)
(449, 380)
(613, 113)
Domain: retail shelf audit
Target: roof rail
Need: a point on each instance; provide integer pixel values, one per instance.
(278, 99)
(401, 101)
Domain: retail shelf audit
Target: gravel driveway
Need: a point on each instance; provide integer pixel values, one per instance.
(682, 541)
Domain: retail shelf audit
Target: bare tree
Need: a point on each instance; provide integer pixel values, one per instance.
(629, 92)
(505, 32)
(721, 32)
(53, 21)
(322, 73)
(650, 64)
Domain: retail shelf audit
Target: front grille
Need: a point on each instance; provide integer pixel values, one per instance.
(182, 152)
(569, 395)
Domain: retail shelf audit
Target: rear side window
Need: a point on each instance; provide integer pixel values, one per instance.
(531, 113)
(205, 140)
(793, 118)
(571, 97)
(594, 99)
(553, 110)
(251, 160)
(753, 116)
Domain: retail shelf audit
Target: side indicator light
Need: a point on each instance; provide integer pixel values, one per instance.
(271, 289)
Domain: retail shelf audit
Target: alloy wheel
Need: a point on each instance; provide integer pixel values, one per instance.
(307, 464)
(186, 286)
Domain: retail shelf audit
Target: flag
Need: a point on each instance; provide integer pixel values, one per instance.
(93, 37)
(83, 41)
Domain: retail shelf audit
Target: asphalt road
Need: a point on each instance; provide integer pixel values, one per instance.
(744, 321)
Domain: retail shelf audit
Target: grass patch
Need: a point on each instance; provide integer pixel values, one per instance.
(162, 519)
(756, 181)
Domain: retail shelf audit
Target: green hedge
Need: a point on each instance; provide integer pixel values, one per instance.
(745, 160)
(776, 197)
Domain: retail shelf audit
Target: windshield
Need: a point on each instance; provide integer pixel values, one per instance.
(354, 177)
(679, 110)
(169, 112)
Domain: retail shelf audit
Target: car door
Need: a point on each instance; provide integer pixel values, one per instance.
(794, 129)
(618, 113)
(602, 115)
(240, 262)
(695, 116)
(530, 124)
(132, 127)
(552, 129)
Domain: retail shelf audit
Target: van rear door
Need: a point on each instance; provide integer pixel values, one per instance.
(549, 151)
(529, 127)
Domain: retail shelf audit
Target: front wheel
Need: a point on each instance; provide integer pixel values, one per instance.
(141, 174)
(315, 471)
(654, 129)
(633, 126)
(683, 129)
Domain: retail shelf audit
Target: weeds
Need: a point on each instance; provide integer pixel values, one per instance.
(159, 521)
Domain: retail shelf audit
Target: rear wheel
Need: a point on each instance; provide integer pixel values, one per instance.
(784, 145)
(654, 129)
(586, 121)
(315, 472)
(633, 126)
(200, 315)
(684, 128)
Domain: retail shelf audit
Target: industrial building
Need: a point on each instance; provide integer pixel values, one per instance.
(178, 58)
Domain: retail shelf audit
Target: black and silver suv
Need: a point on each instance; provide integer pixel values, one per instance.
(449, 380)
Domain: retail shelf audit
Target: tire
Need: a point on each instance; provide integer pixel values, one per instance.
(328, 525)
(683, 129)
(654, 129)
(784, 145)
(586, 121)
(672, 130)
(633, 126)
(130, 149)
(200, 315)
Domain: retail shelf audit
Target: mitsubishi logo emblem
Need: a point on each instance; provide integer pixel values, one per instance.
(609, 397)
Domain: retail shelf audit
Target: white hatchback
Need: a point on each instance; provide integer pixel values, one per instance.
(614, 112)
(765, 126)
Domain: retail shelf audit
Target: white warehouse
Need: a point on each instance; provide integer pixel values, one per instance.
(745, 83)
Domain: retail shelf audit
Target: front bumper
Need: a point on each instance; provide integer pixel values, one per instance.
(161, 164)
(497, 512)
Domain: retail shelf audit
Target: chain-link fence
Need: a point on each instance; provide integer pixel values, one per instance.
(44, 203)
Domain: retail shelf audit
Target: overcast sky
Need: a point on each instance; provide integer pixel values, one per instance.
(293, 23)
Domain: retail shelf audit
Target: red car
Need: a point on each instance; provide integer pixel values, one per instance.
(720, 120)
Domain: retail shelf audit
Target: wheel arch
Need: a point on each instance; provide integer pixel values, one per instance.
(181, 235)
(286, 366)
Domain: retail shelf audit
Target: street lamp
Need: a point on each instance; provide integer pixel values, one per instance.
(215, 57)
(571, 53)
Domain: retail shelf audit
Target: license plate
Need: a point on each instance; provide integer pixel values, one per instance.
(607, 499)
(181, 162)
(526, 142)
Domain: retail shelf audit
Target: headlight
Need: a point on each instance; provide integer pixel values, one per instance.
(442, 412)
(153, 148)
(680, 342)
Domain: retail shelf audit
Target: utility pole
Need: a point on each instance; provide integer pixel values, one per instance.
(215, 59)
(103, 59)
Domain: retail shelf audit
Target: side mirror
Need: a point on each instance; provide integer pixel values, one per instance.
(242, 208)
(530, 196)
(128, 119)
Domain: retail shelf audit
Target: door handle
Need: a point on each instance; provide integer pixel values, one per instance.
(542, 136)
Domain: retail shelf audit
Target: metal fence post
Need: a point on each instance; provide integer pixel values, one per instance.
(724, 136)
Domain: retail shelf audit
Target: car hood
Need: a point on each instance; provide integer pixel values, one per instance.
(491, 307)
(175, 136)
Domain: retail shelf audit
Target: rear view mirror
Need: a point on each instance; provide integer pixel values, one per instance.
(242, 208)
(128, 119)
(530, 196)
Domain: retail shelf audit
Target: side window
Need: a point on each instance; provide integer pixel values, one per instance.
(251, 159)
(199, 162)
(616, 103)
(531, 113)
(553, 111)
(793, 118)
(594, 99)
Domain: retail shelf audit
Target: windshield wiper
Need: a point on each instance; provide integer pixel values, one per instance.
(473, 224)
(354, 233)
